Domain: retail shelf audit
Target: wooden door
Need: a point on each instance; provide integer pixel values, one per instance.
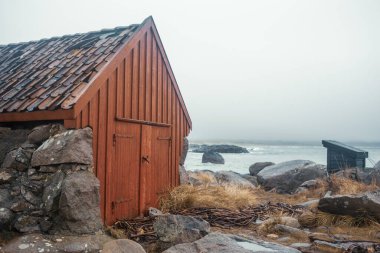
(140, 171)
(125, 176)
(155, 167)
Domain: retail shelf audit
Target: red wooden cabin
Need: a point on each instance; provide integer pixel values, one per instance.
(120, 83)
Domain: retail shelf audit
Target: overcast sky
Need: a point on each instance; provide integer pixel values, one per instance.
(253, 70)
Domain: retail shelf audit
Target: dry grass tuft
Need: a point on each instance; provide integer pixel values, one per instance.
(187, 196)
(328, 219)
(116, 232)
(308, 219)
(342, 185)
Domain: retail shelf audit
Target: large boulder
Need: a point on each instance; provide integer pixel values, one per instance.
(185, 149)
(72, 146)
(220, 149)
(174, 229)
(255, 168)
(122, 246)
(365, 204)
(227, 243)
(232, 178)
(212, 157)
(79, 203)
(286, 177)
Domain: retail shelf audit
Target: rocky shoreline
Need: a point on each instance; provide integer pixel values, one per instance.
(291, 207)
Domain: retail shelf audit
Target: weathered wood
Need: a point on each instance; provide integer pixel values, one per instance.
(341, 156)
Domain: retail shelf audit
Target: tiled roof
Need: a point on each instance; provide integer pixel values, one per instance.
(50, 74)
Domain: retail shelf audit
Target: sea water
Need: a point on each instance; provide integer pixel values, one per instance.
(272, 153)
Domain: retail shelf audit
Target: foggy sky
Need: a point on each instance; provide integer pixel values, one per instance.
(253, 70)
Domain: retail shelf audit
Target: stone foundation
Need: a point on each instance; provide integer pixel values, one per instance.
(46, 181)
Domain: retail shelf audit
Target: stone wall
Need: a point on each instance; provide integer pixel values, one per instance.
(46, 181)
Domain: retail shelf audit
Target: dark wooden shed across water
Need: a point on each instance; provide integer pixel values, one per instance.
(120, 83)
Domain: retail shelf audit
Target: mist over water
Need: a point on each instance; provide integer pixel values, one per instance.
(272, 152)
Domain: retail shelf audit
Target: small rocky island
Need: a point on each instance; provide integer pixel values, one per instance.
(220, 148)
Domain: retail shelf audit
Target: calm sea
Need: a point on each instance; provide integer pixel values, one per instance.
(272, 152)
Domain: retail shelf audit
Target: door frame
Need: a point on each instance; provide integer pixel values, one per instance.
(108, 177)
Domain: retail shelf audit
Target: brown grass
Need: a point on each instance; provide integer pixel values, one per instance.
(341, 185)
(187, 196)
(369, 233)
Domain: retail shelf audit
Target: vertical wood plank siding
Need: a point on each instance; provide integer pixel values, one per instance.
(139, 88)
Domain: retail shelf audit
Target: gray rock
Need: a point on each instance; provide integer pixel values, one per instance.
(39, 134)
(39, 243)
(255, 168)
(363, 175)
(79, 203)
(20, 206)
(291, 231)
(300, 245)
(309, 203)
(154, 212)
(251, 179)
(72, 146)
(29, 196)
(220, 149)
(176, 229)
(183, 176)
(27, 224)
(212, 157)
(232, 178)
(9, 139)
(52, 191)
(6, 216)
(310, 184)
(5, 198)
(122, 246)
(5, 176)
(185, 149)
(227, 243)
(18, 159)
(286, 177)
(365, 204)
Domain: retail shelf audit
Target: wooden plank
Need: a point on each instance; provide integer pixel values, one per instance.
(154, 82)
(128, 85)
(168, 67)
(164, 96)
(120, 90)
(94, 123)
(69, 123)
(135, 82)
(85, 116)
(142, 77)
(159, 89)
(37, 115)
(101, 157)
(148, 95)
(111, 109)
